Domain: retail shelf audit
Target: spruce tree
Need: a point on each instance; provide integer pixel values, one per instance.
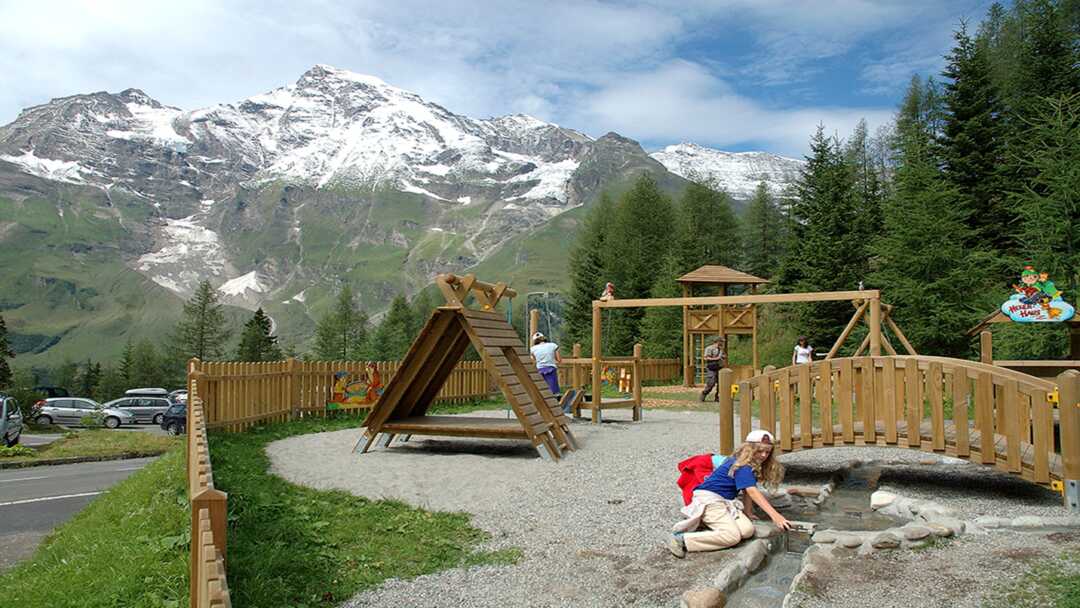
(423, 305)
(6, 352)
(127, 362)
(661, 328)
(973, 141)
(764, 242)
(708, 229)
(391, 340)
(341, 334)
(89, 379)
(587, 272)
(66, 375)
(202, 331)
(869, 193)
(256, 342)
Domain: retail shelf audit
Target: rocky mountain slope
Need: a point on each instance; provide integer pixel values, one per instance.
(110, 203)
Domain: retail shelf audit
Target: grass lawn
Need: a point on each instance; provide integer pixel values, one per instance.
(101, 442)
(128, 548)
(1047, 582)
(296, 547)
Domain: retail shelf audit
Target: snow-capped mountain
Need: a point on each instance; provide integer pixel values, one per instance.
(279, 198)
(737, 173)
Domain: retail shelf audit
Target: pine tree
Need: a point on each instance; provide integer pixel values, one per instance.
(342, 333)
(126, 366)
(66, 375)
(6, 353)
(256, 342)
(869, 193)
(202, 331)
(391, 340)
(661, 328)
(146, 370)
(973, 141)
(926, 269)
(708, 229)
(112, 385)
(587, 272)
(764, 243)
(423, 306)
(89, 379)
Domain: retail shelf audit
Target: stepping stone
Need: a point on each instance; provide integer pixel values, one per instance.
(915, 532)
(885, 540)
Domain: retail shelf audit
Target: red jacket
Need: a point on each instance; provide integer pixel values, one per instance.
(692, 472)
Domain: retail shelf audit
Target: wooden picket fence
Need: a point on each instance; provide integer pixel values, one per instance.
(238, 395)
(208, 585)
(998, 417)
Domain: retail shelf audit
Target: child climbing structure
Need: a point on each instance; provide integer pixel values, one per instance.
(402, 407)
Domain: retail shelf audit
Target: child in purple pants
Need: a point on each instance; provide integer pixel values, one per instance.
(546, 356)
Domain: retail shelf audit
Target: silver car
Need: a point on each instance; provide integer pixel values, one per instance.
(11, 421)
(145, 409)
(72, 410)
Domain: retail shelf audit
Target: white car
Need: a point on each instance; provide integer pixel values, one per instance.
(72, 410)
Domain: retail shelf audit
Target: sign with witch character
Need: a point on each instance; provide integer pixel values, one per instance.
(1037, 300)
(352, 391)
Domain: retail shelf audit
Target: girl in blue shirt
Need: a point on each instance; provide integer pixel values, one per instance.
(714, 508)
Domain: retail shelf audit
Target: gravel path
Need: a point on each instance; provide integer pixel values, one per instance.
(592, 527)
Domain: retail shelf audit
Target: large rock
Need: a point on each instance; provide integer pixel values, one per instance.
(939, 529)
(825, 536)
(810, 491)
(780, 500)
(850, 541)
(915, 532)
(989, 521)
(708, 597)
(753, 554)
(881, 499)
(885, 540)
(730, 577)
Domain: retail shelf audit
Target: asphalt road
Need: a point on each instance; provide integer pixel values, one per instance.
(34, 500)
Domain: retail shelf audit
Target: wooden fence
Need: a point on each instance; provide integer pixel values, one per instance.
(970, 410)
(208, 585)
(238, 395)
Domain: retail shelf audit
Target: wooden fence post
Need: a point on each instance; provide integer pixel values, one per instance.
(636, 380)
(727, 412)
(292, 387)
(1069, 402)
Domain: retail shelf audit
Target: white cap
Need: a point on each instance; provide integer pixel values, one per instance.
(759, 436)
(537, 335)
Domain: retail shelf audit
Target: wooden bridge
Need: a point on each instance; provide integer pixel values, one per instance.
(979, 412)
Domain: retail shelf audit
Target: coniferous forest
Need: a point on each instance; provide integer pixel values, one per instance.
(977, 176)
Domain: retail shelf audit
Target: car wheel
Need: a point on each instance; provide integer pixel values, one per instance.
(157, 419)
(12, 441)
(44, 420)
(173, 429)
(112, 422)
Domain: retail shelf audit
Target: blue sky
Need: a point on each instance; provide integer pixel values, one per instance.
(729, 74)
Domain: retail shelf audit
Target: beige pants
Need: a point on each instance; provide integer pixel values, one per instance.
(723, 530)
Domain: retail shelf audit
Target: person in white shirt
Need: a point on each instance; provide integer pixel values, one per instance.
(804, 353)
(546, 356)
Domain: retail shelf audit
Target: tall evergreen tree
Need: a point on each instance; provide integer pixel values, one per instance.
(6, 352)
(764, 241)
(341, 334)
(89, 379)
(66, 375)
(202, 331)
(147, 369)
(391, 340)
(587, 271)
(708, 229)
(661, 329)
(973, 141)
(256, 341)
(868, 192)
(423, 306)
(126, 365)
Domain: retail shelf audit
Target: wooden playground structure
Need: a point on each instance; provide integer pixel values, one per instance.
(402, 407)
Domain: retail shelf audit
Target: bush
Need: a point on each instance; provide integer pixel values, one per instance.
(15, 451)
(92, 420)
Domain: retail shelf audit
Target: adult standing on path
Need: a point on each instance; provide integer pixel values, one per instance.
(714, 362)
(546, 356)
(804, 353)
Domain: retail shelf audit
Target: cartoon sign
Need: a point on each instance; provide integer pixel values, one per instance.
(352, 391)
(1037, 300)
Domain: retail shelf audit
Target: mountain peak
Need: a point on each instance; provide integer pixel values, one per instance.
(322, 72)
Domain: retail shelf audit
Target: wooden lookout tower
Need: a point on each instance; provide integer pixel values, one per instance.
(702, 323)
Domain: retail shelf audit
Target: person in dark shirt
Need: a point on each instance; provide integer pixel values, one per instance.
(726, 522)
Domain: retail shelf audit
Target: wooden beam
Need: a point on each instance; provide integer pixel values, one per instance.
(986, 347)
(900, 335)
(847, 330)
(596, 349)
(470, 281)
(771, 298)
(875, 327)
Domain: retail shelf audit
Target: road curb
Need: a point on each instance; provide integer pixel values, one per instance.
(23, 464)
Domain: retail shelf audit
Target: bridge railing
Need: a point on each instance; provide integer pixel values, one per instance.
(970, 410)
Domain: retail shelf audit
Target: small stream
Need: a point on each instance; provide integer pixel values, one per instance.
(847, 508)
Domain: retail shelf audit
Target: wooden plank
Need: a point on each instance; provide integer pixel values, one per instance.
(888, 381)
(960, 394)
(787, 415)
(806, 404)
(912, 380)
(1042, 429)
(458, 426)
(825, 400)
(746, 399)
(866, 365)
(1011, 407)
(766, 404)
(843, 400)
(934, 382)
(821, 296)
(984, 397)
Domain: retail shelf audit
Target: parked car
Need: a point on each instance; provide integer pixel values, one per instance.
(174, 422)
(179, 395)
(146, 392)
(71, 410)
(51, 392)
(11, 421)
(145, 409)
